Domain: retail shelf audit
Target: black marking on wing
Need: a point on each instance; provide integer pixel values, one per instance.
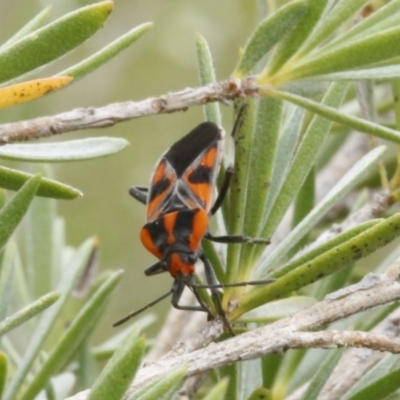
(201, 175)
(186, 150)
(159, 188)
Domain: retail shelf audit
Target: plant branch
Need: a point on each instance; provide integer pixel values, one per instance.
(87, 118)
(178, 326)
(284, 334)
(355, 363)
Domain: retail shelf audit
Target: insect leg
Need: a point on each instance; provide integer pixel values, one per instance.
(177, 290)
(223, 191)
(236, 239)
(156, 268)
(137, 192)
(215, 293)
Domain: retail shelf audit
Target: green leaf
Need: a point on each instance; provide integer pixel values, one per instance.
(270, 366)
(164, 388)
(376, 73)
(261, 393)
(207, 75)
(52, 41)
(336, 281)
(310, 88)
(11, 351)
(395, 88)
(249, 377)
(373, 375)
(288, 369)
(213, 256)
(72, 337)
(20, 284)
(295, 38)
(381, 388)
(304, 202)
(131, 337)
(268, 33)
(13, 180)
(107, 53)
(341, 12)
(231, 373)
(238, 185)
(116, 376)
(3, 373)
(323, 248)
(12, 213)
(39, 242)
(88, 367)
(3, 198)
(59, 249)
(32, 25)
(325, 264)
(321, 376)
(383, 18)
(287, 146)
(365, 51)
(352, 178)
(49, 317)
(347, 120)
(218, 391)
(261, 166)
(28, 312)
(262, 160)
(71, 150)
(7, 277)
(304, 159)
(107, 349)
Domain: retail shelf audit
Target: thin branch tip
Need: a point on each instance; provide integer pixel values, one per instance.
(87, 118)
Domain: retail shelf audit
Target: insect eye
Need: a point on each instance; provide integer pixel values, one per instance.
(192, 258)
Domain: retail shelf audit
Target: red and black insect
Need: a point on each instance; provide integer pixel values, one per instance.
(179, 206)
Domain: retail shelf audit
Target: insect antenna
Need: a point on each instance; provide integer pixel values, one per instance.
(234, 284)
(137, 312)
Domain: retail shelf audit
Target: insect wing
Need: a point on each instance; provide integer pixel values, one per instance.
(196, 159)
(163, 182)
(185, 175)
(200, 178)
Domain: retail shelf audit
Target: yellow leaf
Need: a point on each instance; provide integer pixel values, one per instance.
(26, 91)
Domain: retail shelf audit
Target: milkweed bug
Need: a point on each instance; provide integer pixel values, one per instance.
(179, 205)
